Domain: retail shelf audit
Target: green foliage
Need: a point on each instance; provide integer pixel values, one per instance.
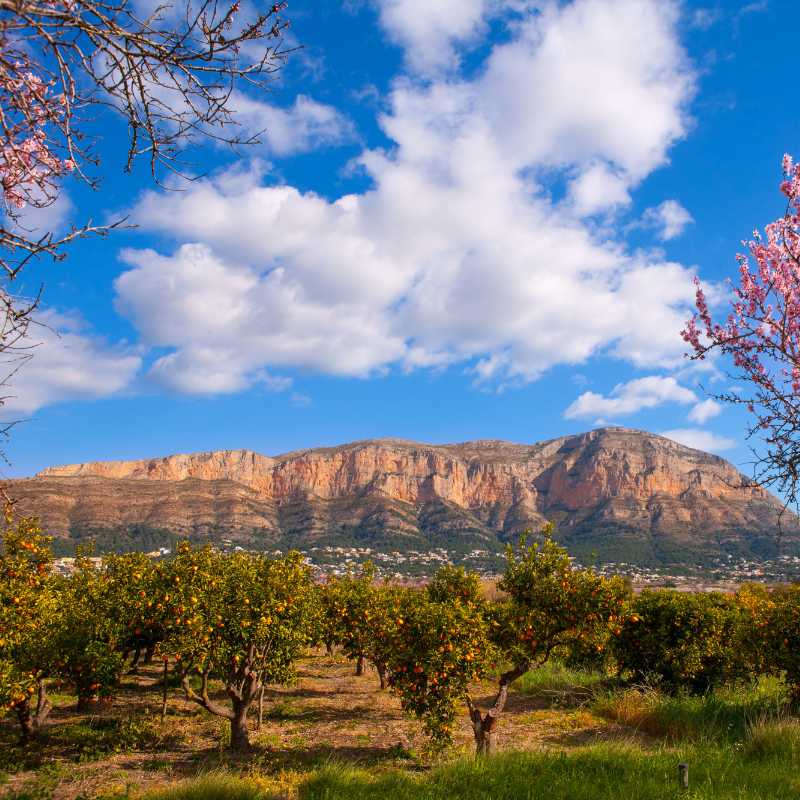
(136, 586)
(780, 635)
(89, 633)
(449, 583)
(678, 640)
(220, 608)
(241, 619)
(552, 604)
(438, 648)
(348, 602)
(360, 616)
(29, 611)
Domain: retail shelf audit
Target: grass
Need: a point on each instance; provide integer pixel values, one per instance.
(86, 740)
(97, 737)
(777, 740)
(599, 772)
(554, 681)
(215, 786)
(724, 715)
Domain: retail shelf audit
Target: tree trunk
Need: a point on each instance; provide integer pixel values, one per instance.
(360, 666)
(240, 736)
(484, 726)
(149, 652)
(31, 721)
(241, 697)
(381, 667)
(329, 648)
(26, 721)
(137, 654)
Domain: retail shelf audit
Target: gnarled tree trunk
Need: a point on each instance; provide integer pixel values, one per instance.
(31, 720)
(485, 732)
(360, 665)
(485, 726)
(242, 689)
(240, 734)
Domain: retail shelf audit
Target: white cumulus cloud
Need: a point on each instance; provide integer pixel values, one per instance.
(628, 398)
(704, 411)
(429, 30)
(457, 252)
(700, 439)
(598, 189)
(305, 125)
(668, 220)
(67, 364)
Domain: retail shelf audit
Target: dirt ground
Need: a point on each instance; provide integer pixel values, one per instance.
(330, 714)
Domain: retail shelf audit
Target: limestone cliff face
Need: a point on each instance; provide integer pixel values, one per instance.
(610, 477)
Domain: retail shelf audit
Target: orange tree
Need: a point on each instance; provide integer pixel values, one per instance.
(381, 614)
(682, 640)
(136, 584)
(360, 616)
(550, 604)
(239, 619)
(781, 636)
(440, 644)
(349, 606)
(29, 605)
(454, 583)
(756, 603)
(89, 633)
(328, 617)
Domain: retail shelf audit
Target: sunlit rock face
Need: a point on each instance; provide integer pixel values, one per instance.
(608, 489)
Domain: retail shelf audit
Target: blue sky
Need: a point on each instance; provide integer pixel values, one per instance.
(473, 219)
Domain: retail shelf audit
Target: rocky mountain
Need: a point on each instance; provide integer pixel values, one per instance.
(618, 493)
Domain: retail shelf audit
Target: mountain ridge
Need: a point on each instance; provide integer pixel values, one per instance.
(611, 490)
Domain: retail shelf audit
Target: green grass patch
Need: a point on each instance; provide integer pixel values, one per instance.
(555, 681)
(724, 715)
(215, 786)
(598, 772)
(774, 740)
(601, 772)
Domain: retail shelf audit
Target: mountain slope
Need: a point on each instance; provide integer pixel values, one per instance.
(624, 494)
